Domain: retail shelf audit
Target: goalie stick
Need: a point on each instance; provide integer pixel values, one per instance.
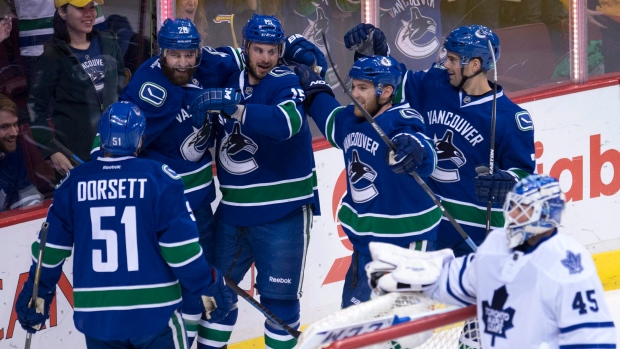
(37, 275)
(389, 143)
(268, 314)
(493, 121)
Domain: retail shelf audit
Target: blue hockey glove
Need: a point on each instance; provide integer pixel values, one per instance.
(493, 187)
(366, 40)
(32, 319)
(301, 51)
(219, 298)
(213, 100)
(311, 83)
(409, 154)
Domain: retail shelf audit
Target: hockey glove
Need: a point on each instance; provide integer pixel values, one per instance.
(397, 269)
(213, 100)
(311, 83)
(301, 51)
(219, 298)
(32, 319)
(366, 40)
(493, 187)
(410, 154)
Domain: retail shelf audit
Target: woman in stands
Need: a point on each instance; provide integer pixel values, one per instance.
(79, 74)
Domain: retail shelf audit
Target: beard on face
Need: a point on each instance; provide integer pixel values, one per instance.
(252, 71)
(8, 144)
(176, 77)
(371, 106)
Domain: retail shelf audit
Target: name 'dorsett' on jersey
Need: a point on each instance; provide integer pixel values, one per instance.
(454, 121)
(106, 189)
(357, 139)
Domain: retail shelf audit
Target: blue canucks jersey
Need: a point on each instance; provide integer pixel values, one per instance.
(379, 205)
(169, 135)
(134, 243)
(265, 161)
(460, 126)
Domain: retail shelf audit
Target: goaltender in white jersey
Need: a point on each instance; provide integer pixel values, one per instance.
(539, 290)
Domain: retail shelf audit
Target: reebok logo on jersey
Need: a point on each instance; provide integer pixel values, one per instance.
(113, 167)
(280, 280)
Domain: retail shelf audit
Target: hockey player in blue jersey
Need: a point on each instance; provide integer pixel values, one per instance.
(137, 262)
(381, 204)
(456, 100)
(267, 178)
(534, 286)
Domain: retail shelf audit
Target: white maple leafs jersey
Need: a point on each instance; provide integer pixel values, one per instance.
(548, 296)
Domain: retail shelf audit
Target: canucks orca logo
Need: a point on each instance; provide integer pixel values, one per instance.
(233, 144)
(416, 38)
(357, 170)
(317, 27)
(195, 145)
(497, 320)
(447, 151)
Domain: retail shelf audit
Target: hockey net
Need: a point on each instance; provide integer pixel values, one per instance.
(395, 321)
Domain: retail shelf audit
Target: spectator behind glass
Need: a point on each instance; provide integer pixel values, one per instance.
(15, 188)
(605, 14)
(5, 28)
(80, 73)
(194, 10)
(129, 42)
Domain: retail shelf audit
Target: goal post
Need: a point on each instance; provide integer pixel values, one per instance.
(434, 322)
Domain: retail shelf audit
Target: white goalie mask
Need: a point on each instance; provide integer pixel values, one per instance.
(534, 206)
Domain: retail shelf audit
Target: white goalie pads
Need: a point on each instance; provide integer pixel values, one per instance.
(397, 269)
(379, 313)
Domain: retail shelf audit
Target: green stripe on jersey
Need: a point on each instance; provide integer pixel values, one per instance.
(375, 224)
(180, 254)
(52, 255)
(329, 128)
(519, 172)
(193, 180)
(153, 296)
(35, 24)
(474, 215)
(270, 193)
(292, 114)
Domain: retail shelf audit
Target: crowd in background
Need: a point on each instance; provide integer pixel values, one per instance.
(46, 110)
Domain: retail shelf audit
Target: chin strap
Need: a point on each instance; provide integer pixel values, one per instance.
(465, 78)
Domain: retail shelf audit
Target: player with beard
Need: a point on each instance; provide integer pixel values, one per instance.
(163, 88)
(369, 210)
(267, 179)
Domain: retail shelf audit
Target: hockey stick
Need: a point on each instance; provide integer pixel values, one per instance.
(493, 120)
(66, 152)
(389, 143)
(37, 275)
(268, 314)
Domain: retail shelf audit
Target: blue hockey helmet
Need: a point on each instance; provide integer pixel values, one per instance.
(178, 34)
(263, 30)
(121, 128)
(379, 70)
(472, 41)
(539, 201)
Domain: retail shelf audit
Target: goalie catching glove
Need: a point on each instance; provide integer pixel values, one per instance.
(397, 269)
(219, 299)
